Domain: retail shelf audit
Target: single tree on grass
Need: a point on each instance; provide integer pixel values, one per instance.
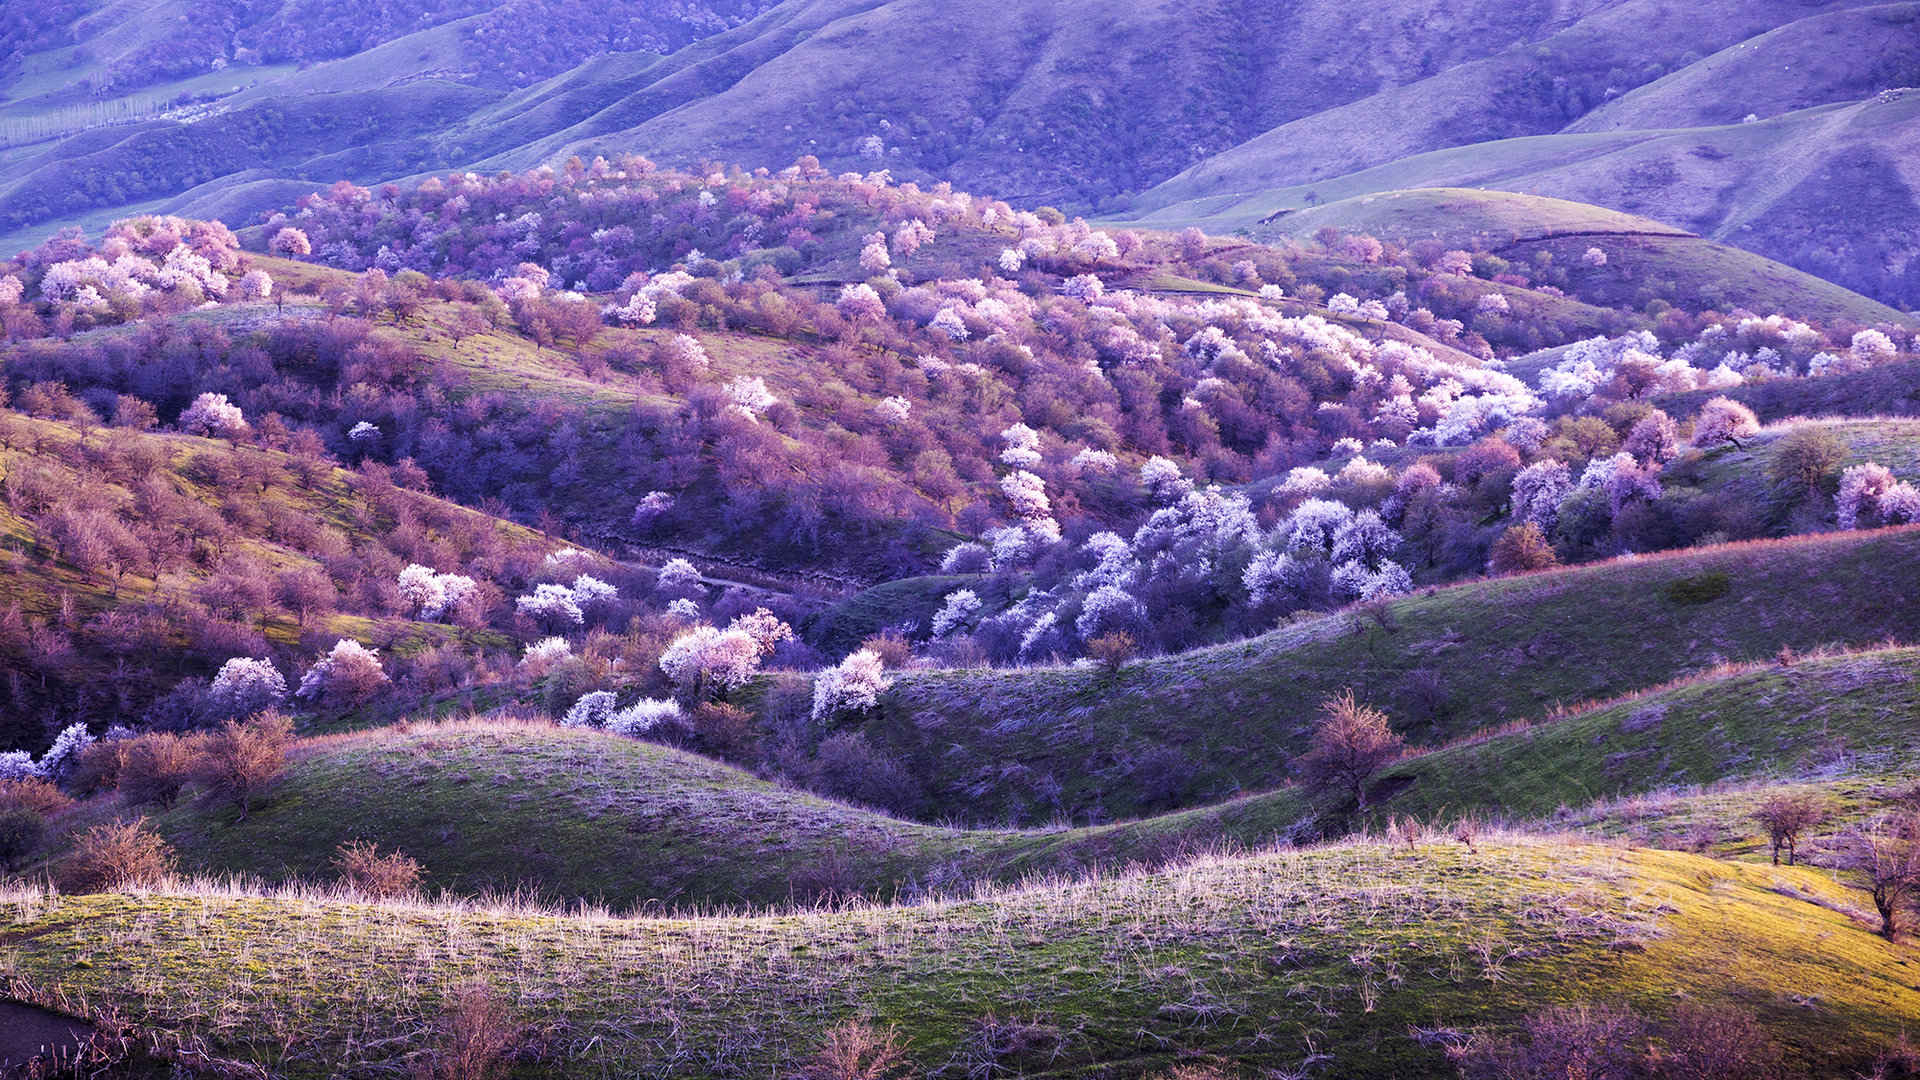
(1785, 817)
(1886, 854)
(1351, 742)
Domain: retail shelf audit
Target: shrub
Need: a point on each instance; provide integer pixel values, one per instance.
(117, 856)
(475, 1037)
(858, 1051)
(724, 730)
(21, 831)
(154, 767)
(243, 758)
(370, 873)
(1806, 461)
(1351, 742)
(35, 796)
(1522, 547)
(1706, 1043)
(851, 768)
(1593, 1042)
(1113, 650)
(891, 646)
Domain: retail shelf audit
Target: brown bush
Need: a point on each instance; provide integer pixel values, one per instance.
(1705, 1043)
(894, 650)
(476, 1037)
(371, 873)
(1522, 547)
(1113, 650)
(858, 1051)
(33, 795)
(155, 767)
(116, 856)
(726, 731)
(1591, 1042)
(242, 759)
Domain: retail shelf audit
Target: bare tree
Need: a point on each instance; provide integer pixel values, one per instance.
(1351, 742)
(1786, 817)
(1886, 854)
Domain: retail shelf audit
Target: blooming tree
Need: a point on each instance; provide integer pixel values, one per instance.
(644, 716)
(349, 672)
(959, 608)
(245, 685)
(853, 686)
(1724, 420)
(212, 414)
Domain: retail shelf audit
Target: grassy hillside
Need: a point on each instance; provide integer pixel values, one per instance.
(1824, 58)
(1205, 723)
(1334, 952)
(494, 806)
(136, 558)
(1745, 472)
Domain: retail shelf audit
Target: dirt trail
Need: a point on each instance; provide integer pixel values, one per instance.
(27, 1032)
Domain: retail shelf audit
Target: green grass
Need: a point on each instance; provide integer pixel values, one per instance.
(1442, 663)
(492, 807)
(905, 601)
(1257, 961)
(1742, 474)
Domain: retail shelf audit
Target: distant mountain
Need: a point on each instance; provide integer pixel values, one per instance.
(1149, 107)
(1833, 190)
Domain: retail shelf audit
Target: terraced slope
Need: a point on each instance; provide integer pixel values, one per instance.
(1266, 960)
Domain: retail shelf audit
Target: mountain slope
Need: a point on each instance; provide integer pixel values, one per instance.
(1828, 190)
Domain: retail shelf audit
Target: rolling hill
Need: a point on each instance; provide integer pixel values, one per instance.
(1203, 724)
(1053, 110)
(1345, 955)
(570, 815)
(1646, 260)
